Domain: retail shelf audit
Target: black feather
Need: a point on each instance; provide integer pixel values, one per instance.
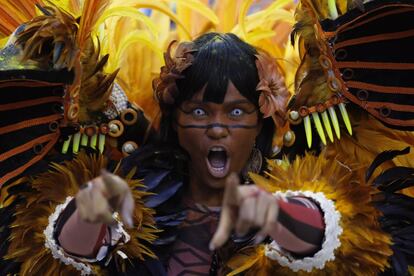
(395, 179)
(382, 157)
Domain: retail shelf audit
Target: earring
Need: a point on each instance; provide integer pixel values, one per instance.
(254, 164)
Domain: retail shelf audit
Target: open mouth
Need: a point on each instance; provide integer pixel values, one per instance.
(217, 161)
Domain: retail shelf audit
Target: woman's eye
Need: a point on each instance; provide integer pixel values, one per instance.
(236, 112)
(199, 112)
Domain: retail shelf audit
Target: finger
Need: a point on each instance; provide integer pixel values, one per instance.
(231, 194)
(246, 192)
(127, 210)
(246, 219)
(230, 199)
(106, 217)
(82, 205)
(224, 228)
(101, 210)
(114, 185)
(263, 201)
(271, 222)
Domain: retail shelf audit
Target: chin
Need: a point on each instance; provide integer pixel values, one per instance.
(216, 183)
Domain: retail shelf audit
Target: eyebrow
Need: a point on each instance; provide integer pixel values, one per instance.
(216, 125)
(227, 103)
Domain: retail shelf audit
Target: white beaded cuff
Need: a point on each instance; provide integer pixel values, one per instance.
(57, 251)
(118, 234)
(331, 240)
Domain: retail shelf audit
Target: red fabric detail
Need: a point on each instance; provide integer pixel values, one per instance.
(100, 240)
(303, 214)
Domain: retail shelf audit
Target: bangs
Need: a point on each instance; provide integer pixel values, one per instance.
(220, 58)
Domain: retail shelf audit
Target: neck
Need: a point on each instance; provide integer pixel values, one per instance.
(202, 193)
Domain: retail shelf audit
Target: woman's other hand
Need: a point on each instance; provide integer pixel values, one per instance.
(104, 195)
(245, 208)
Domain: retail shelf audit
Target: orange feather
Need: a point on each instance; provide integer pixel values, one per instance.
(92, 10)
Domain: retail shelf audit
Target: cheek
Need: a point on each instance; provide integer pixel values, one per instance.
(242, 146)
(189, 141)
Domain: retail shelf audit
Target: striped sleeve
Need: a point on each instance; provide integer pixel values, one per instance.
(300, 228)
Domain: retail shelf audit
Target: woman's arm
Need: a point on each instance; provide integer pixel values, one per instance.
(78, 237)
(83, 228)
(300, 226)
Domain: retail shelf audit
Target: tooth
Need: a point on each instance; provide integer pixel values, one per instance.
(335, 122)
(66, 144)
(84, 140)
(308, 130)
(76, 140)
(101, 144)
(345, 116)
(327, 125)
(319, 128)
(93, 140)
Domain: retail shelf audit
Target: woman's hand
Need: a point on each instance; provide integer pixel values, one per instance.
(244, 208)
(104, 195)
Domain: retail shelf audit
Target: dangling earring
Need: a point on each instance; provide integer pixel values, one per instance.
(254, 164)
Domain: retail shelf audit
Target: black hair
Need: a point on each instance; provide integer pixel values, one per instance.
(218, 59)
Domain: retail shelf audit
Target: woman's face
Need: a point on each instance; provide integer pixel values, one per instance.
(218, 137)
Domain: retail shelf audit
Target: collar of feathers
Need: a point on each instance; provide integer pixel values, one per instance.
(365, 247)
(51, 188)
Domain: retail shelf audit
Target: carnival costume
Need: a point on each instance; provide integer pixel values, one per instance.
(368, 224)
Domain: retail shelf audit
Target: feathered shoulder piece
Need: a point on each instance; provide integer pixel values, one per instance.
(28, 231)
(364, 248)
(356, 53)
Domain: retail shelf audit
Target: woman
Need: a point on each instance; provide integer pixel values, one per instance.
(220, 101)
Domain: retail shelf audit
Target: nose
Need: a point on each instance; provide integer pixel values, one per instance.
(217, 131)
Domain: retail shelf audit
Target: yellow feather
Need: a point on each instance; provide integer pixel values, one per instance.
(92, 10)
(3, 41)
(242, 17)
(258, 34)
(161, 7)
(268, 16)
(128, 12)
(243, 264)
(138, 36)
(198, 7)
(227, 11)
(184, 14)
(74, 7)
(189, 12)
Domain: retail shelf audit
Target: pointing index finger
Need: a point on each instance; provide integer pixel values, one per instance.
(226, 223)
